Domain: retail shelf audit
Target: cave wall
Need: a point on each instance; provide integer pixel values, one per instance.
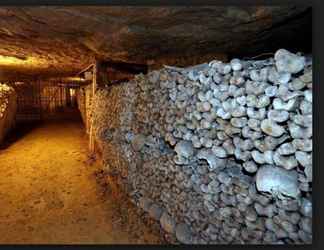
(84, 100)
(8, 109)
(218, 153)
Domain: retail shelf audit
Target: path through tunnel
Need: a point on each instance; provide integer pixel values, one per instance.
(169, 124)
(52, 190)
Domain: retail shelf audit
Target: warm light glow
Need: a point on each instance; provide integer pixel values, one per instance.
(29, 61)
(72, 92)
(10, 60)
(74, 79)
(88, 75)
(19, 83)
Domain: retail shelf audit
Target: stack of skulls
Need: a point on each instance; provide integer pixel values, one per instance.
(225, 149)
(5, 92)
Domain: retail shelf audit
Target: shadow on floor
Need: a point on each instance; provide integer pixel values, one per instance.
(21, 129)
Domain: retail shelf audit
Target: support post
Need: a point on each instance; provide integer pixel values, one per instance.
(94, 87)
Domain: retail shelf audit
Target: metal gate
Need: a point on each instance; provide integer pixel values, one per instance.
(29, 101)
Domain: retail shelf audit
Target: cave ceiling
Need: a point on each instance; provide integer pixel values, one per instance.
(62, 40)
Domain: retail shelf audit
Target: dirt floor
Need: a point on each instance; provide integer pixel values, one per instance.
(49, 192)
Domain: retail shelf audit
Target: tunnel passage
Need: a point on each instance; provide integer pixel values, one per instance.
(196, 120)
(52, 187)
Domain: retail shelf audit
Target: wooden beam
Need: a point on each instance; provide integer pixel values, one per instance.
(112, 71)
(94, 87)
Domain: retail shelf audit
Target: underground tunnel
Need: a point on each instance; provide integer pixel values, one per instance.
(156, 125)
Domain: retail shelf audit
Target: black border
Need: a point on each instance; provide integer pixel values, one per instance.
(157, 2)
(318, 53)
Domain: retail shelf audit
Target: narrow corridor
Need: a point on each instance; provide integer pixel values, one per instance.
(49, 193)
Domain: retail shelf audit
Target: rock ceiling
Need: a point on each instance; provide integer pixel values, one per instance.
(56, 41)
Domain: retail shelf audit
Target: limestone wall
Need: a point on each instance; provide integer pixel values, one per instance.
(218, 153)
(84, 97)
(8, 109)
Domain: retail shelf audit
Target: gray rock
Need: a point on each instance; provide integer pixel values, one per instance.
(241, 100)
(278, 115)
(268, 156)
(296, 84)
(289, 62)
(304, 158)
(219, 151)
(306, 224)
(271, 91)
(234, 171)
(145, 203)
(250, 166)
(242, 155)
(251, 214)
(307, 76)
(291, 205)
(183, 233)
(305, 145)
(225, 212)
(279, 104)
(256, 114)
(271, 128)
(288, 162)
(167, 223)
(251, 101)
(254, 75)
(306, 207)
(223, 114)
(138, 142)
(305, 237)
(284, 77)
(239, 122)
(263, 101)
(236, 64)
(213, 161)
(303, 120)
(281, 234)
(224, 178)
(228, 146)
(254, 124)
(213, 187)
(286, 149)
(306, 107)
(269, 210)
(271, 226)
(298, 132)
(292, 217)
(291, 96)
(277, 181)
(308, 95)
(309, 173)
(258, 157)
(288, 226)
(184, 149)
(238, 112)
(155, 212)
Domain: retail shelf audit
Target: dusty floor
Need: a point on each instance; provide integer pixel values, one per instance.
(49, 192)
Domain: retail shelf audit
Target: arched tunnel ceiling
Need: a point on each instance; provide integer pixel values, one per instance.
(61, 40)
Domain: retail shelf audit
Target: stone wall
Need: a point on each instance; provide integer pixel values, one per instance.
(8, 109)
(218, 153)
(84, 97)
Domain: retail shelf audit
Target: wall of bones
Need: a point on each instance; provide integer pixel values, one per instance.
(8, 109)
(218, 152)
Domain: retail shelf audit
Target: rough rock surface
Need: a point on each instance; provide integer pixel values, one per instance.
(219, 180)
(62, 40)
(8, 109)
